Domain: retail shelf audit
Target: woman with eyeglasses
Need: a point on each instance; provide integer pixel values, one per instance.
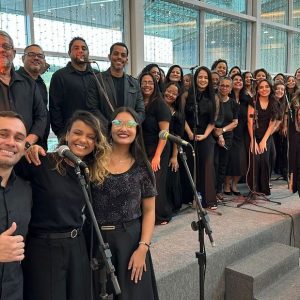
(157, 118)
(264, 111)
(227, 120)
(124, 207)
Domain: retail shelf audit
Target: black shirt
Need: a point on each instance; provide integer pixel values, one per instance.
(120, 197)
(119, 87)
(68, 93)
(227, 113)
(23, 97)
(157, 111)
(15, 206)
(44, 93)
(57, 199)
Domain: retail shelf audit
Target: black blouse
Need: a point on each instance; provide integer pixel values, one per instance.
(57, 199)
(157, 111)
(228, 111)
(120, 197)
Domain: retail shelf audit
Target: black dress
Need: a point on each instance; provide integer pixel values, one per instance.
(158, 111)
(237, 161)
(174, 192)
(262, 161)
(205, 172)
(118, 202)
(54, 268)
(228, 112)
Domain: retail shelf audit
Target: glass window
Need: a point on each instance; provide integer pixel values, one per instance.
(235, 5)
(12, 20)
(295, 55)
(56, 22)
(273, 49)
(275, 11)
(225, 38)
(171, 33)
(296, 13)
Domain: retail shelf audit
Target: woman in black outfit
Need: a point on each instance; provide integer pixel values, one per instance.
(227, 120)
(56, 264)
(155, 71)
(205, 97)
(237, 162)
(172, 97)
(157, 118)
(266, 109)
(175, 74)
(124, 207)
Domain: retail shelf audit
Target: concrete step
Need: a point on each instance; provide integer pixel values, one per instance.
(249, 276)
(286, 288)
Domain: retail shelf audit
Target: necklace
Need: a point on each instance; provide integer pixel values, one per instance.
(122, 160)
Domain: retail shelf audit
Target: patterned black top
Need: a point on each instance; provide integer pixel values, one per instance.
(119, 199)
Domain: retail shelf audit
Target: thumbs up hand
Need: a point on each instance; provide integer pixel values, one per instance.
(11, 246)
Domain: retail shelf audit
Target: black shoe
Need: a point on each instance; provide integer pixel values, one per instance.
(227, 193)
(237, 193)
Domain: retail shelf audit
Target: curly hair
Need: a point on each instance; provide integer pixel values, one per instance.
(98, 159)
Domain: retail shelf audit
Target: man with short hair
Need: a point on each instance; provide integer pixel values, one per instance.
(68, 87)
(15, 206)
(114, 88)
(20, 94)
(34, 65)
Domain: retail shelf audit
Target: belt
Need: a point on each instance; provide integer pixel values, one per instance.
(119, 226)
(57, 235)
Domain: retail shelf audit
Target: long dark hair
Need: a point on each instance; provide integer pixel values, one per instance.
(156, 93)
(177, 104)
(137, 148)
(242, 91)
(216, 62)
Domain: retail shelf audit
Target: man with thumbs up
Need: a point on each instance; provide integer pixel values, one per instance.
(15, 206)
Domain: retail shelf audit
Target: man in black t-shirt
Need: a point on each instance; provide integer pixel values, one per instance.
(114, 88)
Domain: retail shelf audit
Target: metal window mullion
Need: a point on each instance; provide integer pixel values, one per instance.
(29, 26)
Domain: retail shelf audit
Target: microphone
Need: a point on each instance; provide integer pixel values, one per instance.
(64, 151)
(192, 68)
(165, 135)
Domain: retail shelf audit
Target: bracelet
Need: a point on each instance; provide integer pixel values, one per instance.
(144, 243)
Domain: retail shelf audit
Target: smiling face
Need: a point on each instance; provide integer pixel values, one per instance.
(147, 86)
(12, 141)
(279, 91)
(221, 69)
(79, 52)
(291, 82)
(123, 129)
(175, 74)
(237, 83)
(118, 58)
(260, 76)
(171, 93)
(81, 139)
(248, 77)
(156, 73)
(34, 60)
(202, 80)
(225, 87)
(7, 52)
(264, 89)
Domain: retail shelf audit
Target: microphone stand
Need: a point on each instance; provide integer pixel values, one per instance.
(104, 250)
(196, 121)
(201, 225)
(253, 194)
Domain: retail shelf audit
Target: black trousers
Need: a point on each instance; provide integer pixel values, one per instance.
(262, 171)
(56, 269)
(122, 243)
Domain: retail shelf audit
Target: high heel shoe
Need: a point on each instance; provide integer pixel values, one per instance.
(236, 193)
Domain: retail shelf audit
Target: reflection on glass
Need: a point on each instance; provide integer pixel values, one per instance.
(235, 5)
(56, 22)
(275, 11)
(12, 20)
(295, 55)
(273, 52)
(225, 38)
(296, 13)
(171, 33)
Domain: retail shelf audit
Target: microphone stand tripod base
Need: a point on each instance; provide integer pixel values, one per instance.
(253, 196)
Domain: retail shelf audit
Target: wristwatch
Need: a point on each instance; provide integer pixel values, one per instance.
(27, 145)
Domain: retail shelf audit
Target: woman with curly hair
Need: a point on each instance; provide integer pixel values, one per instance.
(56, 264)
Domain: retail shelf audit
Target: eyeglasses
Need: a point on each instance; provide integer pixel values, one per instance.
(128, 124)
(143, 83)
(33, 54)
(6, 46)
(224, 86)
(171, 94)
